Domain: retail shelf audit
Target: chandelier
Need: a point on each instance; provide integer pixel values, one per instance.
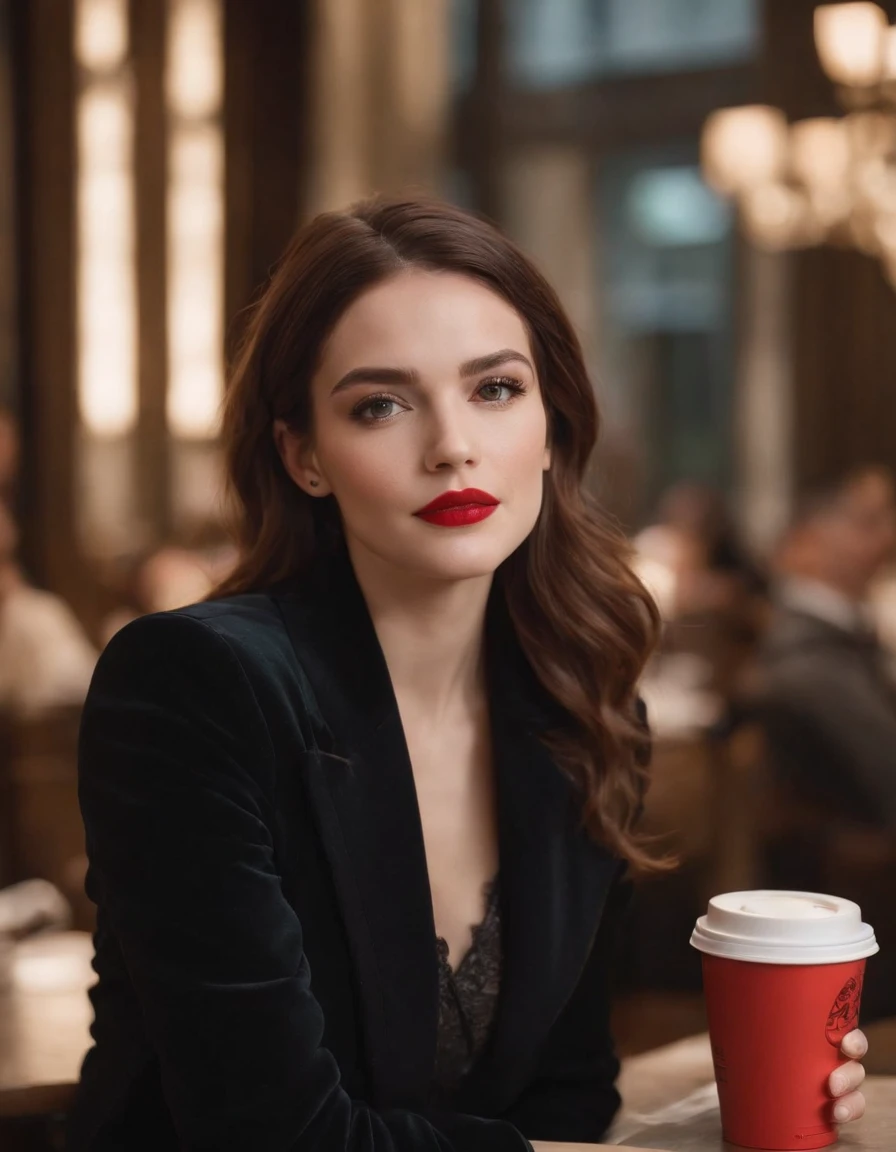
(825, 180)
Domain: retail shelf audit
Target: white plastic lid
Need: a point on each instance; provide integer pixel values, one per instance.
(771, 927)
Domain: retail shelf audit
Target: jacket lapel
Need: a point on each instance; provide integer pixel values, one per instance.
(554, 881)
(361, 789)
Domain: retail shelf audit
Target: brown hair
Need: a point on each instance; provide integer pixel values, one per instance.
(584, 621)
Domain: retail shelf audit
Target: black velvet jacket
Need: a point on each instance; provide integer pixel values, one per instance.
(265, 943)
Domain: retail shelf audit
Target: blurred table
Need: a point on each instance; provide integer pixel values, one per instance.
(670, 1100)
(44, 1021)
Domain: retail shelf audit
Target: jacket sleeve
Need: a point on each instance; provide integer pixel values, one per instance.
(174, 757)
(573, 1095)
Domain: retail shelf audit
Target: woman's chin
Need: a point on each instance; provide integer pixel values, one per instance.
(448, 560)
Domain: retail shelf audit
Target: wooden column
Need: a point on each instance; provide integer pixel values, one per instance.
(561, 243)
(150, 164)
(379, 99)
(763, 402)
(265, 125)
(409, 46)
(8, 304)
(479, 131)
(42, 53)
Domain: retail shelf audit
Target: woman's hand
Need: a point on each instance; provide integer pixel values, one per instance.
(849, 1103)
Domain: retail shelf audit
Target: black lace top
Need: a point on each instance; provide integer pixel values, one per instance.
(468, 998)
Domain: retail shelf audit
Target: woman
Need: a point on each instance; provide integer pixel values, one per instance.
(410, 710)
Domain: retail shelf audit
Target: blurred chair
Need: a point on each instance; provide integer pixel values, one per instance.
(707, 801)
(705, 807)
(678, 818)
(740, 796)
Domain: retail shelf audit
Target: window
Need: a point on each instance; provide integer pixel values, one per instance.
(560, 42)
(666, 288)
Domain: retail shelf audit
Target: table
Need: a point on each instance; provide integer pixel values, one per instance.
(44, 1020)
(671, 1103)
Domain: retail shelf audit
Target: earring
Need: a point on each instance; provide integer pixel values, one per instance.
(314, 483)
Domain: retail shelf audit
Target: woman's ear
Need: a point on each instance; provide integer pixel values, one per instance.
(299, 460)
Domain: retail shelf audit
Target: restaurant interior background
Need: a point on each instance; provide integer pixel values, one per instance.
(733, 283)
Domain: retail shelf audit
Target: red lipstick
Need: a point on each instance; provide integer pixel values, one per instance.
(454, 509)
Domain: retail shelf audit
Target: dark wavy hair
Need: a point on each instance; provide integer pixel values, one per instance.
(584, 621)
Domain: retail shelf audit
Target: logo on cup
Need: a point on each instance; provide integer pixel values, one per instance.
(844, 1014)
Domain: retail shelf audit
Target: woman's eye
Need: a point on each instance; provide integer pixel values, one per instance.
(500, 391)
(375, 408)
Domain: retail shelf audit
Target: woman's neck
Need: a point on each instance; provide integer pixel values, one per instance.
(431, 633)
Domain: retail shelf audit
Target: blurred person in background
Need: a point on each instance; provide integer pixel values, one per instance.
(721, 570)
(694, 535)
(168, 577)
(827, 681)
(46, 659)
(712, 597)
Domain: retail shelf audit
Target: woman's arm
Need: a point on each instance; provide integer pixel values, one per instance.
(176, 780)
(573, 1097)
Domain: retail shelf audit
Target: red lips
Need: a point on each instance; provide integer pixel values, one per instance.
(454, 509)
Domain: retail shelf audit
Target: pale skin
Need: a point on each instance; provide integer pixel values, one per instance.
(426, 385)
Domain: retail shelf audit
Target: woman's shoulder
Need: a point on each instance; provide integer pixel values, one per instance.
(246, 629)
(224, 659)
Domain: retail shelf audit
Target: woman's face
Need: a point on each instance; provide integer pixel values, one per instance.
(427, 387)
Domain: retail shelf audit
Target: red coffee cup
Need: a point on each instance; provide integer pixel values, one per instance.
(782, 974)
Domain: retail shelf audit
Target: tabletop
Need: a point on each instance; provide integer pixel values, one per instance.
(44, 1020)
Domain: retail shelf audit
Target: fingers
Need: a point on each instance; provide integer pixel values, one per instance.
(846, 1078)
(849, 1107)
(855, 1044)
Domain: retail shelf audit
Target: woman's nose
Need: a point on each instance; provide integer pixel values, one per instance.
(451, 445)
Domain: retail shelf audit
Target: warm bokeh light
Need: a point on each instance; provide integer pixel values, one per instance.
(849, 39)
(106, 273)
(824, 178)
(195, 218)
(820, 152)
(820, 158)
(101, 34)
(195, 281)
(194, 67)
(775, 216)
(743, 147)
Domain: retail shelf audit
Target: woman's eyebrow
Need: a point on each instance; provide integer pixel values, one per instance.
(405, 376)
(409, 377)
(494, 360)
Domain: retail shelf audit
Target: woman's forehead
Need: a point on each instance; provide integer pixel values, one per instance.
(417, 317)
